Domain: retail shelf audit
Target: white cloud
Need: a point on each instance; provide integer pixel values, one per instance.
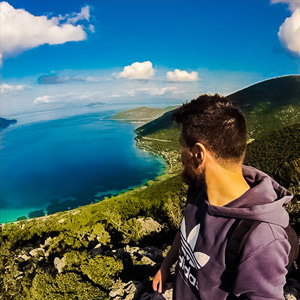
(7, 88)
(289, 31)
(21, 30)
(74, 17)
(138, 70)
(293, 4)
(68, 97)
(83, 15)
(91, 28)
(182, 76)
(42, 99)
(154, 91)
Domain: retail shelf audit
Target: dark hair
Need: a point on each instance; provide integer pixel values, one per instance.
(217, 123)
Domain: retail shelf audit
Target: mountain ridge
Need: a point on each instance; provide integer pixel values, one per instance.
(255, 100)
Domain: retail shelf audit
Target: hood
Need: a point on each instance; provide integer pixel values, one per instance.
(263, 201)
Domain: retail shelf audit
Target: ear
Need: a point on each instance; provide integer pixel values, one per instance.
(199, 154)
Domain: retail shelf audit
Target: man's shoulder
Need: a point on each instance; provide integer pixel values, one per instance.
(265, 234)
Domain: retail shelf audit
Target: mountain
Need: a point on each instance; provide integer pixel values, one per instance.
(5, 122)
(279, 91)
(142, 113)
(268, 105)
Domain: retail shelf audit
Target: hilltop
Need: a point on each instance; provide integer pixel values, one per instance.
(278, 91)
(268, 105)
(142, 114)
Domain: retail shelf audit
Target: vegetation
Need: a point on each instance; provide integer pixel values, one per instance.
(279, 91)
(92, 252)
(71, 253)
(142, 113)
(278, 154)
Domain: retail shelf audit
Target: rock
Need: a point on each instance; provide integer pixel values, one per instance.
(131, 288)
(143, 256)
(18, 275)
(59, 264)
(117, 290)
(47, 243)
(149, 225)
(168, 294)
(37, 252)
(134, 230)
(147, 261)
(24, 257)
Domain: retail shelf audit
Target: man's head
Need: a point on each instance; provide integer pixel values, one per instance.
(213, 127)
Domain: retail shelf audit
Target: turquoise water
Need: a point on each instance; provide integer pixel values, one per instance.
(55, 165)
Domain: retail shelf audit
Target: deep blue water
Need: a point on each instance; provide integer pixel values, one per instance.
(61, 164)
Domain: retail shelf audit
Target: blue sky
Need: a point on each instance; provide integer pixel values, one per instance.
(62, 53)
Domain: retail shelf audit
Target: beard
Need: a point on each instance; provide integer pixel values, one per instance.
(192, 177)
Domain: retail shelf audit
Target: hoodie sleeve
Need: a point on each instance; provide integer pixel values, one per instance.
(262, 274)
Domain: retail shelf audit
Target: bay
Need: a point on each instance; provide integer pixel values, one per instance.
(55, 165)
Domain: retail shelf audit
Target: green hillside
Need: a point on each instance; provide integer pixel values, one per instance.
(112, 249)
(268, 105)
(278, 154)
(142, 113)
(279, 91)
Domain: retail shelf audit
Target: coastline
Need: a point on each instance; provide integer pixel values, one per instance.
(116, 238)
(165, 169)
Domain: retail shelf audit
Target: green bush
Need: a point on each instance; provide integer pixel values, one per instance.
(66, 286)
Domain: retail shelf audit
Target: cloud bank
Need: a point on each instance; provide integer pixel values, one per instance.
(21, 30)
(43, 99)
(7, 88)
(138, 70)
(182, 76)
(289, 31)
(154, 91)
(55, 79)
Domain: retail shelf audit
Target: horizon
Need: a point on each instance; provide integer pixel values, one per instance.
(58, 55)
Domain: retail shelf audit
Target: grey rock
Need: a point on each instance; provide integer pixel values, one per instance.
(37, 252)
(117, 290)
(59, 264)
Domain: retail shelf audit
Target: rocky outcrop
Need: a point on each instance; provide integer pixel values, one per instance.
(123, 269)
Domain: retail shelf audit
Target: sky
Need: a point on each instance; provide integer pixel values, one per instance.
(61, 54)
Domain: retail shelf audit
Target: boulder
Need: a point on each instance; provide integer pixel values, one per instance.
(59, 264)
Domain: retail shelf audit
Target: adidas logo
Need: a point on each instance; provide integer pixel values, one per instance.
(196, 259)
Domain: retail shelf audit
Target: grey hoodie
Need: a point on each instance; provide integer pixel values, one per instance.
(261, 272)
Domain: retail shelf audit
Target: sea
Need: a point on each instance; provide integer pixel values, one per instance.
(55, 162)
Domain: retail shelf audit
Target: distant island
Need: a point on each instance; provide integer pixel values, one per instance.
(95, 104)
(4, 123)
(142, 114)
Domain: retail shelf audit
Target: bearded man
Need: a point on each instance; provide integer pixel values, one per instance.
(221, 190)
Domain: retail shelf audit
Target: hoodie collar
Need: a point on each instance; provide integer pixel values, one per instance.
(263, 201)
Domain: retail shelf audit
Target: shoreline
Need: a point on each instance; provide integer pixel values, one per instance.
(165, 169)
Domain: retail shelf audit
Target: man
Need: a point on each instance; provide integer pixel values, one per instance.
(221, 190)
